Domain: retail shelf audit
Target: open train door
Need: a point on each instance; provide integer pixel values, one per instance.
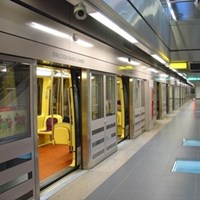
(58, 122)
(122, 108)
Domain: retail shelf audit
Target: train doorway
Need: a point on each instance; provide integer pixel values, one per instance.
(122, 108)
(58, 122)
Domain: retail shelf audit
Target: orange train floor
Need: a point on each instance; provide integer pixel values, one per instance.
(52, 159)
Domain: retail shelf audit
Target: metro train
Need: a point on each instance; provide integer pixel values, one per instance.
(66, 103)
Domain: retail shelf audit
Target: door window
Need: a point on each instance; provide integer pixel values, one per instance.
(14, 101)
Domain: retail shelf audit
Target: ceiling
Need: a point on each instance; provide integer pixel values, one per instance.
(185, 10)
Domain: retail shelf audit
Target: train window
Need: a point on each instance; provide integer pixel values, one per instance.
(97, 96)
(14, 101)
(110, 95)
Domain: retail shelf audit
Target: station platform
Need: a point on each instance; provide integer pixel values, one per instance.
(141, 169)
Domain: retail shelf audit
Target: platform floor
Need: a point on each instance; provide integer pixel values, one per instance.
(142, 168)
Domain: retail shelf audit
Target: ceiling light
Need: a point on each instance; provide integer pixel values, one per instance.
(171, 10)
(153, 70)
(49, 30)
(60, 74)
(164, 75)
(57, 33)
(84, 43)
(128, 60)
(114, 27)
(158, 58)
(3, 68)
(174, 70)
(43, 71)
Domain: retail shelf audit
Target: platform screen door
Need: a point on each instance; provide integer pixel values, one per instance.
(17, 158)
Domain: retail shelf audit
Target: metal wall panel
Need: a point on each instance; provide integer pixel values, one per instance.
(176, 97)
(151, 23)
(197, 90)
(184, 37)
(153, 13)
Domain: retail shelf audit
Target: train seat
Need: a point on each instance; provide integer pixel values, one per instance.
(119, 120)
(48, 124)
(62, 133)
(40, 121)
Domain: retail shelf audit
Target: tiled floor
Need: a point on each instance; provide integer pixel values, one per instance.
(141, 168)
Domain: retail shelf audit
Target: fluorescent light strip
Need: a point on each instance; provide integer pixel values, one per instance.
(153, 70)
(126, 60)
(158, 58)
(164, 75)
(57, 33)
(174, 70)
(171, 10)
(49, 30)
(59, 74)
(43, 71)
(3, 68)
(114, 27)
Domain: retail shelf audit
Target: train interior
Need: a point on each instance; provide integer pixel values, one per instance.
(56, 129)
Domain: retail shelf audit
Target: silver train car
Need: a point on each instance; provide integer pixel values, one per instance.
(67, 99)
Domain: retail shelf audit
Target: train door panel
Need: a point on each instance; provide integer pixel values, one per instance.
(176, 97)
(158, 105)
(110, 116)
(102, 118)
(97, 118)
(154, 103)
(150, 104)
(161, 100)
(169, 98)
(17, 127)
(139, 107)
(173, 97)
(56, 123)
